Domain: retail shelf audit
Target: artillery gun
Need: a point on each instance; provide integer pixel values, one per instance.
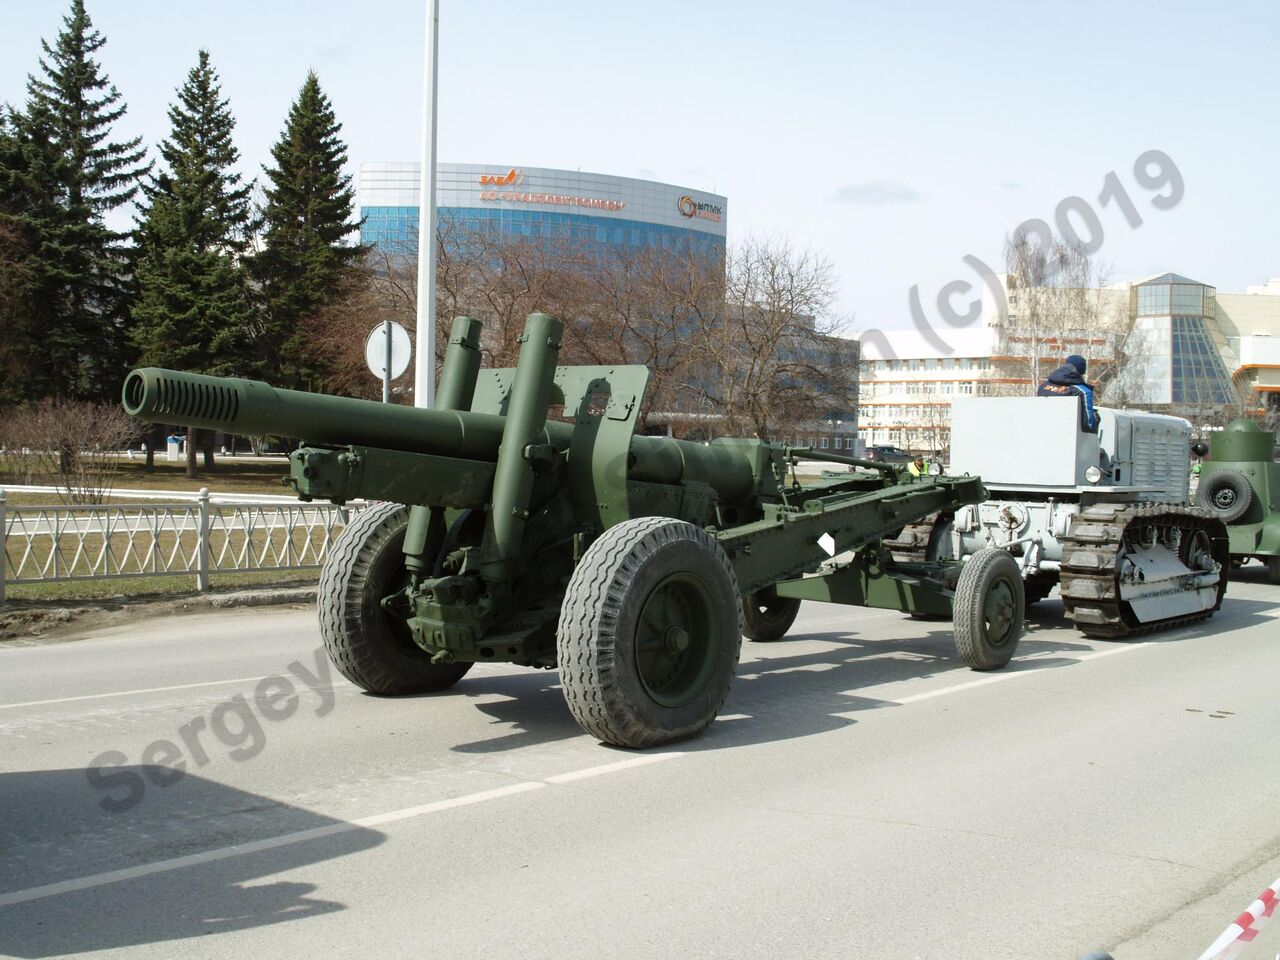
(1104, 514)
(522, 520)
(1240, 484)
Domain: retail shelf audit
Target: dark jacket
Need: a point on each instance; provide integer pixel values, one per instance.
(1064, 382)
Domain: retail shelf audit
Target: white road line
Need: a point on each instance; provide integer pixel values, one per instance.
(318, 833)
(128, 693)
(1000, 678)
(640, 761)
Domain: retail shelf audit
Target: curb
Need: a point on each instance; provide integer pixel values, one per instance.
(21, 624)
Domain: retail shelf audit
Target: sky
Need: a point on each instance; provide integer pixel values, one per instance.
(894, 138)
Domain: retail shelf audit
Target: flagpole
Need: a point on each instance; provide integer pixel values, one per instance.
(424, 378)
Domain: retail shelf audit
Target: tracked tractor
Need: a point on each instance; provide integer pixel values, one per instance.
(1104, 514)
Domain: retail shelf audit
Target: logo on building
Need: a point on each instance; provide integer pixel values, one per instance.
(700, 209)
(508, 179)
(554, 199)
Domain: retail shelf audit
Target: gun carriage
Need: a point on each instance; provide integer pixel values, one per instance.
(523, 520)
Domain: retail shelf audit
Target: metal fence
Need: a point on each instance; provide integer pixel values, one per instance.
(52, 544)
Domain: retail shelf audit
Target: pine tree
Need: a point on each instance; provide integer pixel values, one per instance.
(73, 107)
(33, 273)
(307, 218)
(194, 308)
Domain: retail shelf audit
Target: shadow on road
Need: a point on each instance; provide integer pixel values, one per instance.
(52, 830)
(784, 697)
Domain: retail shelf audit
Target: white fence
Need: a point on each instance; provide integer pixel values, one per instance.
(52, 544)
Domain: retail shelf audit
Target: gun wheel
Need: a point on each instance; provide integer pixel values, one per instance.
(988, 609)
(766, 616)
(370, 646)
(649, 633)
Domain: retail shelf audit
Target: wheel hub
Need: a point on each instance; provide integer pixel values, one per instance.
(998, 611)
(676, 640)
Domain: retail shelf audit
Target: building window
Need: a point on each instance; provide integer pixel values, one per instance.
(824, 443)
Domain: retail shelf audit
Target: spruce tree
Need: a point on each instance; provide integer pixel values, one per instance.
(307, 218)
(73, 106)
(194, 309)
(34, 277)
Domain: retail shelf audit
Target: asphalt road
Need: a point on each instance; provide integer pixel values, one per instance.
(863, 796)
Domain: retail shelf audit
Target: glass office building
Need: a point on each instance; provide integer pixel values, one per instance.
(1177, 341)
(595, 211)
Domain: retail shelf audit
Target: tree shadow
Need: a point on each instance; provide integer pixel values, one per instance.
(53, 830)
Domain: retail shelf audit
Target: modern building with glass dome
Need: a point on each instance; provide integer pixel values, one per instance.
(1177, 342)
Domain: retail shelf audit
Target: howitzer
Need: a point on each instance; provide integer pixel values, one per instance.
(523, 520)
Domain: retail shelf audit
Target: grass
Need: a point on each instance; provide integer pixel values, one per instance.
(166, 587)
(233, 476)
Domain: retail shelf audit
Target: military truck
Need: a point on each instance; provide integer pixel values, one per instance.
(1240, 484)
(1104, 514)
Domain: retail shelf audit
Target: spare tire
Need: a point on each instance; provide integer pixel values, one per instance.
(1227, 493)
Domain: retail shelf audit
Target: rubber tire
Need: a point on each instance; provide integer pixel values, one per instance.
(1239, 485)
(766, 627)
(1273, 569)
(595, 641)
(980, 572)
(367, 558)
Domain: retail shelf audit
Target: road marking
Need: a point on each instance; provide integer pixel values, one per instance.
(640, 761)
(128, 693)
(319, 833)
(999, 678)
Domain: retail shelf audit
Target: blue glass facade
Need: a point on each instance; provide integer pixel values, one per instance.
(1197, 374)
(396, 229)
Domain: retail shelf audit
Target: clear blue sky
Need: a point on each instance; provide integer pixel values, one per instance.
(894, 137)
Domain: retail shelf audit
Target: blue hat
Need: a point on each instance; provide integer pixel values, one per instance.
(1078, 362)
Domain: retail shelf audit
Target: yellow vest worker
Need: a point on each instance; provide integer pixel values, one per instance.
(917, 467)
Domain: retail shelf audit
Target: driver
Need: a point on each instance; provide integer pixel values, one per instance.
(1067, 380)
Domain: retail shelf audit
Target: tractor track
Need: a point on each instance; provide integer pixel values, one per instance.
(1090, 574)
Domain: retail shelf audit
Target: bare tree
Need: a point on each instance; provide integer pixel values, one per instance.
(772, 357)
(72, 444)
(1058, 306)
(753, 351)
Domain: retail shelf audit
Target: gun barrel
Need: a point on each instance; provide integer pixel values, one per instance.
(253, 408)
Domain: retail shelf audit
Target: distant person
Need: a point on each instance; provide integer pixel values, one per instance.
(1068, 380)
(917, 466)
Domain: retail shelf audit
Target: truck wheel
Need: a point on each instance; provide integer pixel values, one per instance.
(766, 616)
(370, 647)
(649, 633)
(1227, 493)
(1273, 569)
(989, 608)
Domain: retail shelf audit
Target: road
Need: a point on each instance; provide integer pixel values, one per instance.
(863, 796)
